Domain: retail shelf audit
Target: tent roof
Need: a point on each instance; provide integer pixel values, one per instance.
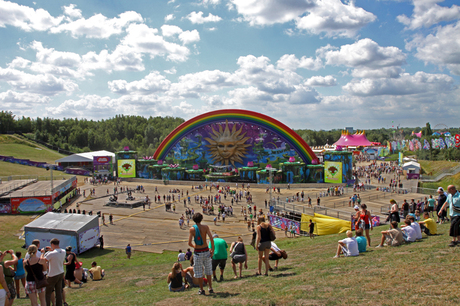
(84, 157)
(411, 163)
(355, 140)
(61, 221)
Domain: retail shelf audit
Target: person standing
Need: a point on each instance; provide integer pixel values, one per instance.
(9, 274)
(365, 222)
(101, 242)
(442, 198)
(263, 244)
(55, 259)
(4, 291)
(71, 259)
(202, 256)
(128, 251)
(20, 274)
(312, 229)
(453, 200)
(34, 268)
(219, 257)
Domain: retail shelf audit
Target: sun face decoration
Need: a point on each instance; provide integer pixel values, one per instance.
(227, 146)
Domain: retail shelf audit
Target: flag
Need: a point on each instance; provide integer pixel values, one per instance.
(426, 145)
(457, 140)
(442, 144)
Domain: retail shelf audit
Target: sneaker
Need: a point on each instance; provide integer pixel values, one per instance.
(379, 246)
(214, 278)
(211, 291)
(80, 284)
(335, 256)
(453, 243)
(201, 292)
(221, 278)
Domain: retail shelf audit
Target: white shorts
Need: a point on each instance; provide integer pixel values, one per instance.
(202, 261)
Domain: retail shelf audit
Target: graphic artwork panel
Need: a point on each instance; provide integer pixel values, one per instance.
(332, 172)
(126, 168)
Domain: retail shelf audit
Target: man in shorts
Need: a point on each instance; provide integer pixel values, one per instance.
(453, 201)
(55, 259)
(392, 237)
(128, 251)
(219, 258)
(202, 254)
(347, 246)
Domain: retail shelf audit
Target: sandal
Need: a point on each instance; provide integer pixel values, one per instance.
(257, 274)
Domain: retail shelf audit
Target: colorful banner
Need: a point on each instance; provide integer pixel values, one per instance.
(126, 168)
(332, 172)
(31, 205)
(401, 156)
(78, 171)
(283, 223)
(89, 239)
(457, 140)
(426, 144)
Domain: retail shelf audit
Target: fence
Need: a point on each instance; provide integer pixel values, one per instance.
(300, 209)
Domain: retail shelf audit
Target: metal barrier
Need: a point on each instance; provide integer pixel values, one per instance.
(300, 209)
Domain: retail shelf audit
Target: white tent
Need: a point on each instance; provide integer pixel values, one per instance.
(84, 157)
(411, 167)
(81, 232)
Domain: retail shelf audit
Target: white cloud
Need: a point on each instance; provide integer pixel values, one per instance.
(171, 71)
(169, 17)
(197, 18)
(406, 84)
(142, 39)
(22, 97)
(427, 13)
(328, 80)
(170, 30)
(44, 84)
(365, 53)
(153, 82)
(291, 62)
(26, 18)
(188, 37)
(267, 12)
(191, 84)
(19, 62)
(335, 19)
(382, 72)
(441, 48)
(99, 26)
(212, 2)
(72, 11)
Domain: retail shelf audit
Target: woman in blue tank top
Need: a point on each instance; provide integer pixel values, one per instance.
(20, 273)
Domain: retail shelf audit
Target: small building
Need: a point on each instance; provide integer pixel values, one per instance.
(411, 170)
(99, 162)
(81, 232)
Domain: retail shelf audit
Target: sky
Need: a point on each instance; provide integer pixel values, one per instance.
(311, 64)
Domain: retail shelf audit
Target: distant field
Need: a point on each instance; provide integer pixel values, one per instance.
(13, 147)
(434, 168)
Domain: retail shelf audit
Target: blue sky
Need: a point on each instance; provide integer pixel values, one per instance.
(316, 64)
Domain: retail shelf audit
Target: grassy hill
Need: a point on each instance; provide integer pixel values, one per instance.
(11, 146)
(436, 167)
(422, 273)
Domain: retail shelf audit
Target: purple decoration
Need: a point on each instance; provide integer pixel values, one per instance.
(250, 164)
(291, 159)
(196, 167)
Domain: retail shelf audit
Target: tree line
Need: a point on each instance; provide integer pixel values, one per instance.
(145, 134)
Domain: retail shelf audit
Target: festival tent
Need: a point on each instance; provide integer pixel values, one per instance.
(86, 157)
(358, 139)
(412, 169)
(81, 232)
(325, 225)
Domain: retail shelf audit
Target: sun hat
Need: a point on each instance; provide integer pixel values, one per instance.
(356, 207)
(440, 189)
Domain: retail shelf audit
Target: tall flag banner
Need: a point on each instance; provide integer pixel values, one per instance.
(411, 145)
(426, 145)
(389, 146)
(418, 144)
(434, 144)
(442, 144)
(457, 140)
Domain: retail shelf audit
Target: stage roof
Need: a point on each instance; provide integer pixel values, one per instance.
(356, 140)
(84, 157)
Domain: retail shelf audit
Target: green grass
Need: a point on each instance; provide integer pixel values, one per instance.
(449, 180)
(434, 168)
(405, 275)
(10, 146)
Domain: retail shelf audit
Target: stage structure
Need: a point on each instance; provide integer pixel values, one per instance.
(234, 138)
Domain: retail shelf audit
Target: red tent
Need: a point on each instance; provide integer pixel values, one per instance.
(356, 140)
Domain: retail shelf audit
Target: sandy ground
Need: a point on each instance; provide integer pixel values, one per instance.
(155, 230)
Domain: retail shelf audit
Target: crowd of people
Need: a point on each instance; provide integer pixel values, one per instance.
(42, 275)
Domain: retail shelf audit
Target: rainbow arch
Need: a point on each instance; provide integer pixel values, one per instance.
(292, 138)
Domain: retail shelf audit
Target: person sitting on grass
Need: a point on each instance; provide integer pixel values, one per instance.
(392, 237)
(416, 227)
(428, 225)
(176, 278)
(96, 272)
(362, 241)
(190, 276)
(276, 254)
(347, 246)
(409, 233)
